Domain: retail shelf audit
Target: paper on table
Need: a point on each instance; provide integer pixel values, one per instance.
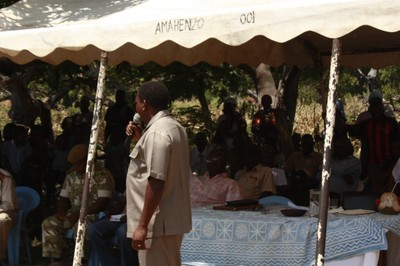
(118, 217)
(336, 210)
(356, 212)
(294, 206)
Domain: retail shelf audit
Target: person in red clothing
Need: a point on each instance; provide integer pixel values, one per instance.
(377, 134)
(263, 127)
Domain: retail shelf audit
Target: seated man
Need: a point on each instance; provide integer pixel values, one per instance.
(100, 192)
(8, 210)
(301, 169)
(345, 168)
(101, 233)
(214, 187)
(255, 181)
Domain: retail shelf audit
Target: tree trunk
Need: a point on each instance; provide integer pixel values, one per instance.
(290, 94)
(285, 137)
(204, 106)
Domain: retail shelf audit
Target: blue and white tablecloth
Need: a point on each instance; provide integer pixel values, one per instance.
(253, 238)
(389, 222)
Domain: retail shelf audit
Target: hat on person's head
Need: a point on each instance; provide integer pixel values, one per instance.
(5, 172)
(77, 153)
(375, 95)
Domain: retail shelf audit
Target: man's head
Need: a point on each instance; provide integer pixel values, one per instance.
(21, 134)
(375, 96)
(296, 139)
(200, 140)
(152, 96)
(216, 161)
(120, 96)
(307, 144)
(252, 156)
(375, 104)
(266, 101)
(229, 106)
(84, 104)
(77, 157)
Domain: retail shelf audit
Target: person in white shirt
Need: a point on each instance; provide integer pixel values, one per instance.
(199, 153)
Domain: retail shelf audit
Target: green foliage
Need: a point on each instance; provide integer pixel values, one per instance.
(188, 84)
(390, 79)
(350, 83)
(309, 87)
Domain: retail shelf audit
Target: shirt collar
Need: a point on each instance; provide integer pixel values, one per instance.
(159, 115)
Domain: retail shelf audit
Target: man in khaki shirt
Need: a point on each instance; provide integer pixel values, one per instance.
(158, 202)
(255, 181)
(8, 209)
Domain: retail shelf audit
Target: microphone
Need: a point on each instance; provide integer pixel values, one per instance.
(138, 122)
(137, 119)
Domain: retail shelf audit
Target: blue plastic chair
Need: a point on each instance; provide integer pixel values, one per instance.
(275, 200)
(28, 200)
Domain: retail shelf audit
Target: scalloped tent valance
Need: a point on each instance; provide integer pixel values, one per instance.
(275, 32)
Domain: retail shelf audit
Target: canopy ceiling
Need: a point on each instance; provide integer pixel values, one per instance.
(274, 32)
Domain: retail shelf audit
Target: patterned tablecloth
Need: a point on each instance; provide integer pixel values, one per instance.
(254, 238)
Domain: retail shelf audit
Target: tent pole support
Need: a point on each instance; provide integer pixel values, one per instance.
(326, 165)
(80, 235)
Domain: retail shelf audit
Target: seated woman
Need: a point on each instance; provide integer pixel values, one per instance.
(215, 187)
(8, 209)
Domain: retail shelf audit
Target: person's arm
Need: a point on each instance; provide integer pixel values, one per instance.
(153, 194)
(7, 194)
(99, 205)
(234, 192)
(268, 184)
(117, 208)
(63, 206)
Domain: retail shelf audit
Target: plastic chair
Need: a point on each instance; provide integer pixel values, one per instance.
(275, 200)
(28, 200)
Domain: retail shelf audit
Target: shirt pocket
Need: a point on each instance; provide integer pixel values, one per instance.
(135, 153)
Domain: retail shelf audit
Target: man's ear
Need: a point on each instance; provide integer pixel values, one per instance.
(145, 105)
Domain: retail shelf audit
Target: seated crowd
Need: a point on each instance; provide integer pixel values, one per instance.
(234, 165)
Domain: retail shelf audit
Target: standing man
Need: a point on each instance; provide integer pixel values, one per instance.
(158, 202)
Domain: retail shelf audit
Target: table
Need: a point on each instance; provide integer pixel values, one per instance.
(254, 238)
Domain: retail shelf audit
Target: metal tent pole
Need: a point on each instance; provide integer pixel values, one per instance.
(80, 236)
(326, 165)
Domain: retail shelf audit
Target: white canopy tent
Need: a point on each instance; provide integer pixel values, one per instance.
(304, 33)
(233, 31)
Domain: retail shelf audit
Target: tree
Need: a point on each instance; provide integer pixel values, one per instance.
(42, 87)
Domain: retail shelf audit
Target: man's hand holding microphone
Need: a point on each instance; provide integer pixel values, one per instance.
(134, 128)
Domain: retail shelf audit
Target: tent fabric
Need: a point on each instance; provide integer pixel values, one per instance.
(275, 32)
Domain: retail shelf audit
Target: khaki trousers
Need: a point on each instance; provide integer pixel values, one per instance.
(164, 251)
